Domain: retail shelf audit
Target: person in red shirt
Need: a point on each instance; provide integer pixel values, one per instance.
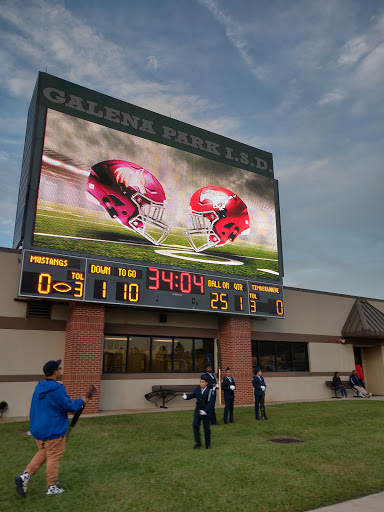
(359, 373)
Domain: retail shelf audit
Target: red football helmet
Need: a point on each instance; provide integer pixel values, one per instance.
(131, 195)
(218, 217)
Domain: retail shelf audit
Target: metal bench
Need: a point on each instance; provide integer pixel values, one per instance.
(346, 384)
(168, 392)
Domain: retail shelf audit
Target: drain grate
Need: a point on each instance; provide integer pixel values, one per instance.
(286, 440)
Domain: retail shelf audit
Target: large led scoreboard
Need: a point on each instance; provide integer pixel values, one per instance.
(85, 279)
(120, 205)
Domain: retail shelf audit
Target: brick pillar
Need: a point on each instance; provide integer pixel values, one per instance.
(83, 357)
(236, 352)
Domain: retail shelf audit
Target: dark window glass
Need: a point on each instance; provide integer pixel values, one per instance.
(115, 354)
(138, 354)
(267, 356)
(202, 348)
(284, 357)
(162, 354)
(274, 356)
(183, 355)
(255, 355)
(300, 357)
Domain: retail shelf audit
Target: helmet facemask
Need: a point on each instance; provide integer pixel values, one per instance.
(148, 221)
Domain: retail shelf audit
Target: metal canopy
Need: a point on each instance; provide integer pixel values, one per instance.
(364, 321)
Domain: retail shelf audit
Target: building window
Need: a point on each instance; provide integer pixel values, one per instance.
(115, 354)
(162, 352)
(154, 354)
(139, 354)
(274, 356)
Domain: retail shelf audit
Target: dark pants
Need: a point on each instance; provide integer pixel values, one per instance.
(213, 412)
(197, 419)
(229, 401)
(260, 403)
(342, 390)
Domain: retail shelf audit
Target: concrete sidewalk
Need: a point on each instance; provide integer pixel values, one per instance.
(372, 503)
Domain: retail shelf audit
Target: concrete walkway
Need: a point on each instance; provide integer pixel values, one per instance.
(372, 503)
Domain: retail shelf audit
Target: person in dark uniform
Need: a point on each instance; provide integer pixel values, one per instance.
(204, 402)
(259, 389)
(210, 377)
(228, 386)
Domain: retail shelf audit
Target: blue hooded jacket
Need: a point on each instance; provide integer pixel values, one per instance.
(49, 410)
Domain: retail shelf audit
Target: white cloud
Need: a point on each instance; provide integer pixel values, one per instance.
(335, 96)
(370, 73)
(152, 63)
(353, 51)
(234, 31)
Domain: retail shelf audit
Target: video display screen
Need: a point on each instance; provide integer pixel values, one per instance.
(108, 193)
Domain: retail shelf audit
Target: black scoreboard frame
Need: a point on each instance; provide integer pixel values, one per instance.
(253, 296)
(74, 278)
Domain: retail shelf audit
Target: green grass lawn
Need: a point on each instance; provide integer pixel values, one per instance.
(146, 462)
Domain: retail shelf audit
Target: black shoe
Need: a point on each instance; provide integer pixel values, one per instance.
(207, 447)
(257, 419)
(196, 445)
(225, 422)
(232, 421)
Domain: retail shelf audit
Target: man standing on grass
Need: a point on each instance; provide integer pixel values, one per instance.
(228, 386)
(204, 403)
(49, 423)
(210, 377)
(259, 385)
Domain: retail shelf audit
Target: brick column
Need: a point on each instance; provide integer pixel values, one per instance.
(234, 334)
(83, 357)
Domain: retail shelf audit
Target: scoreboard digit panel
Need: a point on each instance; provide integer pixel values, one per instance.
(266, 300)
(46, 275)
(51, 275)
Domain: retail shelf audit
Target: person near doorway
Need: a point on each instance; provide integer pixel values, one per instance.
(356, 385)
(359, 372)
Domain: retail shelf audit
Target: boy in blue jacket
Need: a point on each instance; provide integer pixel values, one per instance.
(49, 423)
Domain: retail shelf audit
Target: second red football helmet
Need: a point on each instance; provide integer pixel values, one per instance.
(218, 216)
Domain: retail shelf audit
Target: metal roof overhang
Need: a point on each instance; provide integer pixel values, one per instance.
(364, 321)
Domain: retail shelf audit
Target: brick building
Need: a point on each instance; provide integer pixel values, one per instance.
(127, 350)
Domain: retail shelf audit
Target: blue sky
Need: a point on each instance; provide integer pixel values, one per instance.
(302, 79)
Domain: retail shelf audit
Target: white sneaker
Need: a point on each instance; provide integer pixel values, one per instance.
(21, 482)
(53, 489)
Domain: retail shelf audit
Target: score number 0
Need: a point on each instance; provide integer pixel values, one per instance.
(44, 286)
(279, 306)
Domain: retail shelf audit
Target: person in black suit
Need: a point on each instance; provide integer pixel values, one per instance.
(210, 377)
(259, 389)
(228, 386)
(204, 402)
